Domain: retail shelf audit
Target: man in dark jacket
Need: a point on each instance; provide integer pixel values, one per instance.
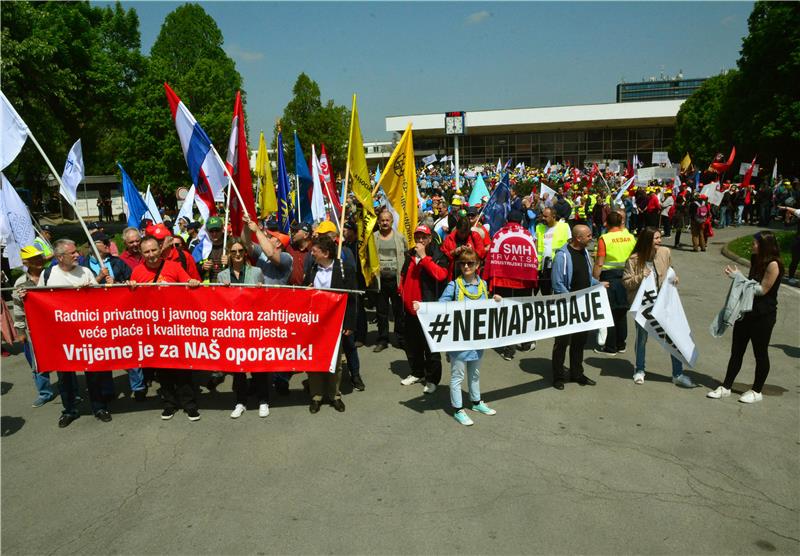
(328, 272)
(423, 278)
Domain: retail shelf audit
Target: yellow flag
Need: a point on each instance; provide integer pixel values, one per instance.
(686, 163)
(360, 183)
(399, 182)
(266, 196)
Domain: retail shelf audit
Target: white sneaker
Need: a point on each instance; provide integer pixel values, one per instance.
(409, 380)
(638, 378)
(683, 381)
(263, 410)
(751, 396)
(430, 388)
(237, 411)
(720, 392)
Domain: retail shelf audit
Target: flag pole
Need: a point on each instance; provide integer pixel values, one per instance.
(346, 179)
(61, 186)
(227, 214)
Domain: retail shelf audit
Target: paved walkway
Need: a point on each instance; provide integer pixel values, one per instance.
(615, 468)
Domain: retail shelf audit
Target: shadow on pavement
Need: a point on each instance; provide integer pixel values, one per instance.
(5, 387)
(791, 351)
(10, 425)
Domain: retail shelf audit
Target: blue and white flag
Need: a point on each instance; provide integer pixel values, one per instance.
(479, 191)
(13, 132)
(152, 208)
(202, 250)
(622, 190)
(16, 228)
(134, 205)
(378, 174)
(73, 174)
(284, 203)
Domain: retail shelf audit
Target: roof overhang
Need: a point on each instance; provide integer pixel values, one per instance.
(527, 120)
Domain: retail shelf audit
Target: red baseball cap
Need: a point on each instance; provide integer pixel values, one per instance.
(423, 230)
(160, 232)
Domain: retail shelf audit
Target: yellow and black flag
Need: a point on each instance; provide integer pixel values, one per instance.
(399, 182)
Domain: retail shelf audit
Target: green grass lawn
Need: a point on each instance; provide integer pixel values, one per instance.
(742, 246)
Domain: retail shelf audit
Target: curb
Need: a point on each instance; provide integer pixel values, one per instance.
(744, 262)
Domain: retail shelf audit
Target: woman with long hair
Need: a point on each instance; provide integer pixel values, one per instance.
(239, 271)
(650, 256)
(755, 326)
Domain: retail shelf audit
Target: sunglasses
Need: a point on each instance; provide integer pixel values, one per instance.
(237, 251)
(468, 263)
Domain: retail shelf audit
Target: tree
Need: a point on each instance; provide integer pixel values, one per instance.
(316, 123)
(69, 69)
(765, 91)
(703, 124)
(188, 55)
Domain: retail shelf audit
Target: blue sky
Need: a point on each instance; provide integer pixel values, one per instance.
(421, 57)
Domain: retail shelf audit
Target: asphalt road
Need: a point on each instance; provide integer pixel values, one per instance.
(614, 468)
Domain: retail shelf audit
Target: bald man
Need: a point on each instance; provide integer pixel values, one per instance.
(572, 271)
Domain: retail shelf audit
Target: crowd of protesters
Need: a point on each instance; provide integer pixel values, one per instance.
(450, 260)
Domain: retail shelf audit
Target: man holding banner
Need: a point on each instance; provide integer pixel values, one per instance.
(572, 271)
(177, 389)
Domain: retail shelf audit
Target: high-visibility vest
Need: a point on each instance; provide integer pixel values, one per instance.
(560, 237)
(44, 247)
(619, 246)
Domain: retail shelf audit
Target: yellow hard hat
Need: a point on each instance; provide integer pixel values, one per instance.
(30, 252)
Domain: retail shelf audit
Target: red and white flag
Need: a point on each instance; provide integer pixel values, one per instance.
(328, 187)
(238, 165)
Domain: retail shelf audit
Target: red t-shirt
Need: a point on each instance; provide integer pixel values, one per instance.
(170, 272)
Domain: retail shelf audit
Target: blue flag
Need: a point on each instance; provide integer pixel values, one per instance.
(499, 205)
(378, 174)
(136, 207)
(284, 205)
(479, 191)
(697, 181)
(306, 183)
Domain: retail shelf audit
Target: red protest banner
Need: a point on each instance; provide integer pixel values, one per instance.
(216, 328)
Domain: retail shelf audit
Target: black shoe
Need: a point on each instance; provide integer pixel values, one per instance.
(168, 413)
(314, 406)
(338, 405)
(306, 387)
(558, 384)
(358, 384)
(359, 344)
(507, 354)
(103, 415)
(400, 343)
(379, 348)
(584, 380)
(65, 420)
(604, 351)
(193, 414)
(213, 382)
(140, 395)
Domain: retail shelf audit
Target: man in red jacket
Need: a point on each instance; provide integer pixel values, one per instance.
(422, 278)
(512, 268)
(462, 235)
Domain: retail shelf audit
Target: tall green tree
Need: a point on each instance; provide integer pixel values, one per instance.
(704, 124)
(70, 69)
(315, 123)
(765, 92)
(188, 55)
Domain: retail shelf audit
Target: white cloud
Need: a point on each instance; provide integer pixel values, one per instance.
(238, 53)
(476, 17)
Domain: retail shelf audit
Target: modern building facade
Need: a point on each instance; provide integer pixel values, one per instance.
(593, 132)
(658, 90)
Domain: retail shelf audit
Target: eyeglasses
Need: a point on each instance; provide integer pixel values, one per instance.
(468, 263)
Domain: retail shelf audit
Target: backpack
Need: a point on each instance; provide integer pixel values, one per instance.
(701, 213)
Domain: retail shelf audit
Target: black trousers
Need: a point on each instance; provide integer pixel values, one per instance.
(576, 343)
(544, 285)
(261, 384)
(755, 329)
(424, 363)
(618, 335)
(177, 389)
(513, 292)
(388, 294)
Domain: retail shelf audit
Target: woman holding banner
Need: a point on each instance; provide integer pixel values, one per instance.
(755, 326)
(650, 256)
(239, 271)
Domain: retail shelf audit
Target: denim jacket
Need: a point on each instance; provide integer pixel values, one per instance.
(561, 275)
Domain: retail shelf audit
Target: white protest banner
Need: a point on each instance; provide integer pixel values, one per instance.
(551, 195)
(660, 157)
(744, 166)
(712, 191)
(668, 311)
(484, 324)
(642, 306)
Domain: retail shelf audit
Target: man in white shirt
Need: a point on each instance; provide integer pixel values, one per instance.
(69, 273)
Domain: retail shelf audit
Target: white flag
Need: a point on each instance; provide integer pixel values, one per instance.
(623, 188)
(152, 208)
(187, 211)
(668, 311)
(16, 228)
(499, 166)
(551, 195)
(775, 172)
(317, 202)
(14, 133)
(428, 160)
(546, 168)
(73, 174)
